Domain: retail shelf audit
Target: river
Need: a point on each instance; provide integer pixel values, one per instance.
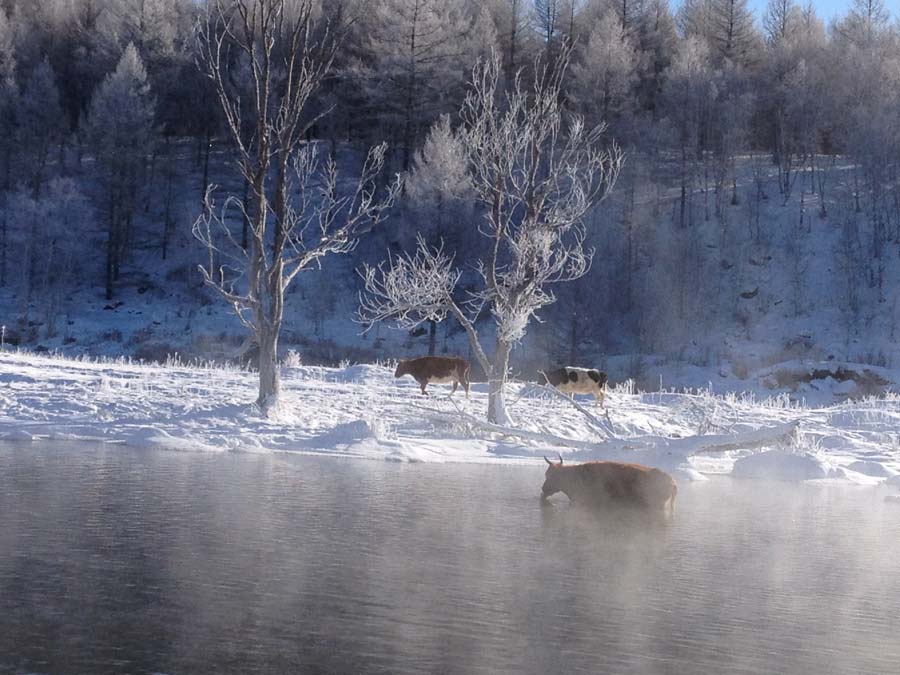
(115, 559)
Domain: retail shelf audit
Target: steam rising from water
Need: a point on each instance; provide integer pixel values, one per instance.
(131, 560)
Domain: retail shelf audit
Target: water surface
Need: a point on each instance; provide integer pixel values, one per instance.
(114, 559)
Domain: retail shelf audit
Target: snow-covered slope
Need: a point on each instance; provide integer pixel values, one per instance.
(709, 305)
(362, 411)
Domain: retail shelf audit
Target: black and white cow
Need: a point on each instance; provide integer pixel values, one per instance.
(573, 381)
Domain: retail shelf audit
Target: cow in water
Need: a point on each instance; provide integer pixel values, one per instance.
(573, 381)
(437, 369)
(611, 484)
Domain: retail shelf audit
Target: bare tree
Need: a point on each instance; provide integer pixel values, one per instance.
(535, 173)
(301, 213)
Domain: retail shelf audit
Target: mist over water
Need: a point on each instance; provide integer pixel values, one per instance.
(113, 559)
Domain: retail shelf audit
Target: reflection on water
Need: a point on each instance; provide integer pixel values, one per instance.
(120, 560)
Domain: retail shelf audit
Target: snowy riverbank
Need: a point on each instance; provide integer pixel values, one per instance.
(361, 411)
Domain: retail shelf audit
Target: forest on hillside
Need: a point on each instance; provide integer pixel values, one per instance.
(758, 189)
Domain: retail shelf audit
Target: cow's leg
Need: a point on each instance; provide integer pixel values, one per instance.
(466, 387)
(455, 385)
(423, 384)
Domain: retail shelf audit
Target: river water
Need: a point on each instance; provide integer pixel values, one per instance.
(121, 560)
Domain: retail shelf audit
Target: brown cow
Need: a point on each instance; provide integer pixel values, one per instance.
(438, 369)
(610, 484)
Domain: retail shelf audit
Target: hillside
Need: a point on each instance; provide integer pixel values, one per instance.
(717, 304)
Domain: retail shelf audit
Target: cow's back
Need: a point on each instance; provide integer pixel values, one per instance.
(439, 369)
(626, 484)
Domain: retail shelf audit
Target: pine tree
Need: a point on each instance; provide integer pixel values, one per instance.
(864, 24)
(781, 19)
(605, 73)
(734, 35)
(727, 26)
(416, 66)
(119, 129)
(514, 34)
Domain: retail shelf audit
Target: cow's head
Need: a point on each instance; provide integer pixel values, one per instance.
(552, 478)
(401, 369)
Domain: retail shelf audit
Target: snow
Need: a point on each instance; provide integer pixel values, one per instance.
(363, 411)
(784, 465)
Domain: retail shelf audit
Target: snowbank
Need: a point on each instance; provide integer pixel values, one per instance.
(362, 411)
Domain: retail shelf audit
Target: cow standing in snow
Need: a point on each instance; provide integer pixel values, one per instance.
(573, 381)
(437, 369)
(611, 484)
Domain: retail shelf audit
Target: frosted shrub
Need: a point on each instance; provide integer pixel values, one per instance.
(292, 359)
(626, 388)
(381, 429)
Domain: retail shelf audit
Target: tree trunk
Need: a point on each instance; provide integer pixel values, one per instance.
(206, 152)
(496, 379)
(245, 219)
(432, 337)
(3, 221)
(513, 34)
(7, 182)
(681, 215)
(167, 216)
(573, 338)
(111, 249)
(269, 373)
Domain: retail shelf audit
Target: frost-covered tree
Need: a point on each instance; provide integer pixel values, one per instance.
(864, 24)
(793, 77)
(732, 102)
(40, 124)
(548, 20)
(734, 35)
(440, 194)
(657, 39)
(9, 95)
(686, 100)
(301, 212)
(119, 130)
(781, 19)
(415, 64)
(557, 23)
(536, 173)
(605, 73)
(514, 34)
(727, 26)
(439, 185)
(695, 19)
(53, 232)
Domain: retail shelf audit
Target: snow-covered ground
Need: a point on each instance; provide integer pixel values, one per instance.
(362, 411)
